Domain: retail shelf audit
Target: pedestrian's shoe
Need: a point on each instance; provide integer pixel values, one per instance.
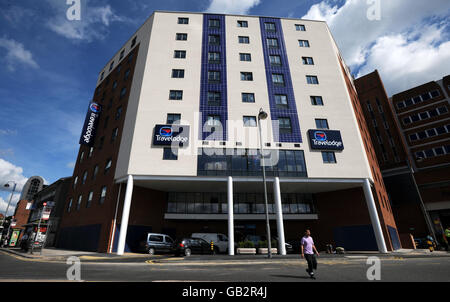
(312, 276)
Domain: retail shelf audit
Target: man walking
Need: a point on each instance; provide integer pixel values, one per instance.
(308, 252)
(447, 237)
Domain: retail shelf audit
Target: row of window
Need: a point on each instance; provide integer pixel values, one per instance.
(94, 173)
(122, 53)
(214, 76)
(429, 133)
(101, 199)
(424, 115)
(433, 152)
(215, 23)
(418, 99)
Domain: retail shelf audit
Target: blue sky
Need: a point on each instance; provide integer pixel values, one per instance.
(49, 65)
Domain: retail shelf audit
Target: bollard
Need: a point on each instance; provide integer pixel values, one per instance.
(212, 247)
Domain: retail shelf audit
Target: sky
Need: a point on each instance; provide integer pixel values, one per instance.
(49, 64)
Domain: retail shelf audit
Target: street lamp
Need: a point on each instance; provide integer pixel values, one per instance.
(7, 208)
(262, 115)
(422, 205)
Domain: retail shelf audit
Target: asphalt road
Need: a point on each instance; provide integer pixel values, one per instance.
(428, 269)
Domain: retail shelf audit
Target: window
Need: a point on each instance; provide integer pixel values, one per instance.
(108, 165)
(183, 20)
(101, 77)
(179, 54)
(95, 172)
(300, 27)
(123, 92)
(69, 206)
(178, 73)
(316, 100)
(328, 157)
(303, 43)
(84, 178)
(312, 79)
(285, 125)
(272, 42)
(214, 57)
(242, 23)
(270, 26)
(170, 154)
(111, 66)
(214, 39)
(127, 74)
(101, 200)
(321, 123)
(426, 96)
(278, 79)
(173, 118)
(245, 57)
(81, 156)
(75, 181)
(114, 134)
(89, 200)
(181, 37)
(281, 101)
(246, 76)
(79, 202)
(244, 40)
(119, 68)
(114, 85)
(249, 121)
(118, 113)
(307, 61)
(176, 95)
(442, 110)
(214, 98)
(133, 42)
(130, 57)
(248, 97)
(214, 23)
(434, 93)
(91, 151)
(213, 76)
(275, 60)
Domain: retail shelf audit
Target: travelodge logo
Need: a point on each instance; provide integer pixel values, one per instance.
(94, 107)
(325, 139)
(165, 135)
(320, 136)
(165, 131)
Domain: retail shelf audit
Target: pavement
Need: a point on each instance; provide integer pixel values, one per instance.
(60, 255)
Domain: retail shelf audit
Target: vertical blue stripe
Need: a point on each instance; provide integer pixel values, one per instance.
(221, 86)
(287, 89)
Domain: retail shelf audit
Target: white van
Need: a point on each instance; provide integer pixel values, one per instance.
(220, 240)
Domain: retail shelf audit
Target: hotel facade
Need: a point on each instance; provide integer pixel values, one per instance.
(171, 142)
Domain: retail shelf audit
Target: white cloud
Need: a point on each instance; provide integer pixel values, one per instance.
(396, 44)
(12, 205)
(16, 53)
(231, 6)
(93, 25)
(8, 132)
(10, 172)
(70, 165)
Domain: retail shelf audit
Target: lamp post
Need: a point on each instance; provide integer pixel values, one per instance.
(422, 205)
(262, 115)
(7, 208)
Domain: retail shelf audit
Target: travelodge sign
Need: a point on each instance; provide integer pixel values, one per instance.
(325, 139)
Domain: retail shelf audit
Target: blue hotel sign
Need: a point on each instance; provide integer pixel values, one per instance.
(164, 135)
(325, 140)
(90, 124)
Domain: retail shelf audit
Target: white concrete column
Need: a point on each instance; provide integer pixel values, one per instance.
(230, 217)
(374, 217)
(279, 208)
(125, 216)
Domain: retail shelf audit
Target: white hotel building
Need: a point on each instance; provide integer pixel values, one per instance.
(210, 74)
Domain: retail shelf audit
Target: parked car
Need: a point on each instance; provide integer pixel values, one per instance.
(157, 243)
(220, 240)
(188, 246)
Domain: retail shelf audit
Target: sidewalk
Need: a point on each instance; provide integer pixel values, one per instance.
(53, 254)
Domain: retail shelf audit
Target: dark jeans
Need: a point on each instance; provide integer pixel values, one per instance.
(312, 262)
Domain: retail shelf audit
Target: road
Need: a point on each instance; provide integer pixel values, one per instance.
(426, 268)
